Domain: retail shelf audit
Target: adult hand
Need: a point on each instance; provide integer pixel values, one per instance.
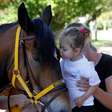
(83, 84)
(79, 101)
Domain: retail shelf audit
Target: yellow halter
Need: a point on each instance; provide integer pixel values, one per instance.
(17, 75)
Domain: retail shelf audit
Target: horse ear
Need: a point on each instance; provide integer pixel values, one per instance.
(47, 15)
(23, 18)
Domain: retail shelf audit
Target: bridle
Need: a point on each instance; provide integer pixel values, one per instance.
(35, 99)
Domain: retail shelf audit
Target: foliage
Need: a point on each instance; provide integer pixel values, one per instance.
(99, 25)
(66, 10)
(8, 12)
(63, 10)
(105, 20)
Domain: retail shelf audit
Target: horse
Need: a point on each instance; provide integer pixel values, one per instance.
(36, 63)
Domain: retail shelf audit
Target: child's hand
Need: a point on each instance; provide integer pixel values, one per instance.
(79, 101)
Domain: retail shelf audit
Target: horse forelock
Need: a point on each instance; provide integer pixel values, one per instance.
(46, 38)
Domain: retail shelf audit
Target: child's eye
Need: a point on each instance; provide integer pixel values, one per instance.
(64, 49)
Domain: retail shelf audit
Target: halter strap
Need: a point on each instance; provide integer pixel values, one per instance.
(16, 56)
(16, 72)
(17, 75)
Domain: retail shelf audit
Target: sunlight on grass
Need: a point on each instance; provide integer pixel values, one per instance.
(102, 43)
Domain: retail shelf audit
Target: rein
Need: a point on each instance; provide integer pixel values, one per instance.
(17, 75)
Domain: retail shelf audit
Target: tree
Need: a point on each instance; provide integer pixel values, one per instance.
(63, 10)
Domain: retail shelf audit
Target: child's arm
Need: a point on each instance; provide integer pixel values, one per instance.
(81, 99)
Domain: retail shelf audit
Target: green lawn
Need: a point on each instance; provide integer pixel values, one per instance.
(104, 43)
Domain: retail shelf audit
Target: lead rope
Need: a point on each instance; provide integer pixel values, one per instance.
(8, 100)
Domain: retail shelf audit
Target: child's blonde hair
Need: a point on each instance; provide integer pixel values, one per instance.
(74, 37)
(86, 31)
(81, 27)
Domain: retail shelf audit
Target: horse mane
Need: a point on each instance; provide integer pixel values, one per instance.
(5, 27)
(46, 39)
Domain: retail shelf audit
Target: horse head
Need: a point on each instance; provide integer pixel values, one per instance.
(37, 62)
(41, 30)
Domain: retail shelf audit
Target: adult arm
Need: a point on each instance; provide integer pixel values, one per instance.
(105, 97)
(88, 93)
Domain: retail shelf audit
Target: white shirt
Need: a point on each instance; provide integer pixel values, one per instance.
(72, 71)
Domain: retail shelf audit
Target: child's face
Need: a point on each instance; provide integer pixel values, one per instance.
(67, 52)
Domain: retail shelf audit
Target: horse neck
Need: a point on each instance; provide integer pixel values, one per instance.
(7, 40)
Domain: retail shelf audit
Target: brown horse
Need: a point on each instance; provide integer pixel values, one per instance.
(38, 65)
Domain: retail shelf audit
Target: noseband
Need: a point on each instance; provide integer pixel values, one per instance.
(17, 75)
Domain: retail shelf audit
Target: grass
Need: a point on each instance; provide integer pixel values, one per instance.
(104, 43)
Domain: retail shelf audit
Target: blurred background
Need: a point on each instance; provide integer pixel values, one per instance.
(95, 14)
